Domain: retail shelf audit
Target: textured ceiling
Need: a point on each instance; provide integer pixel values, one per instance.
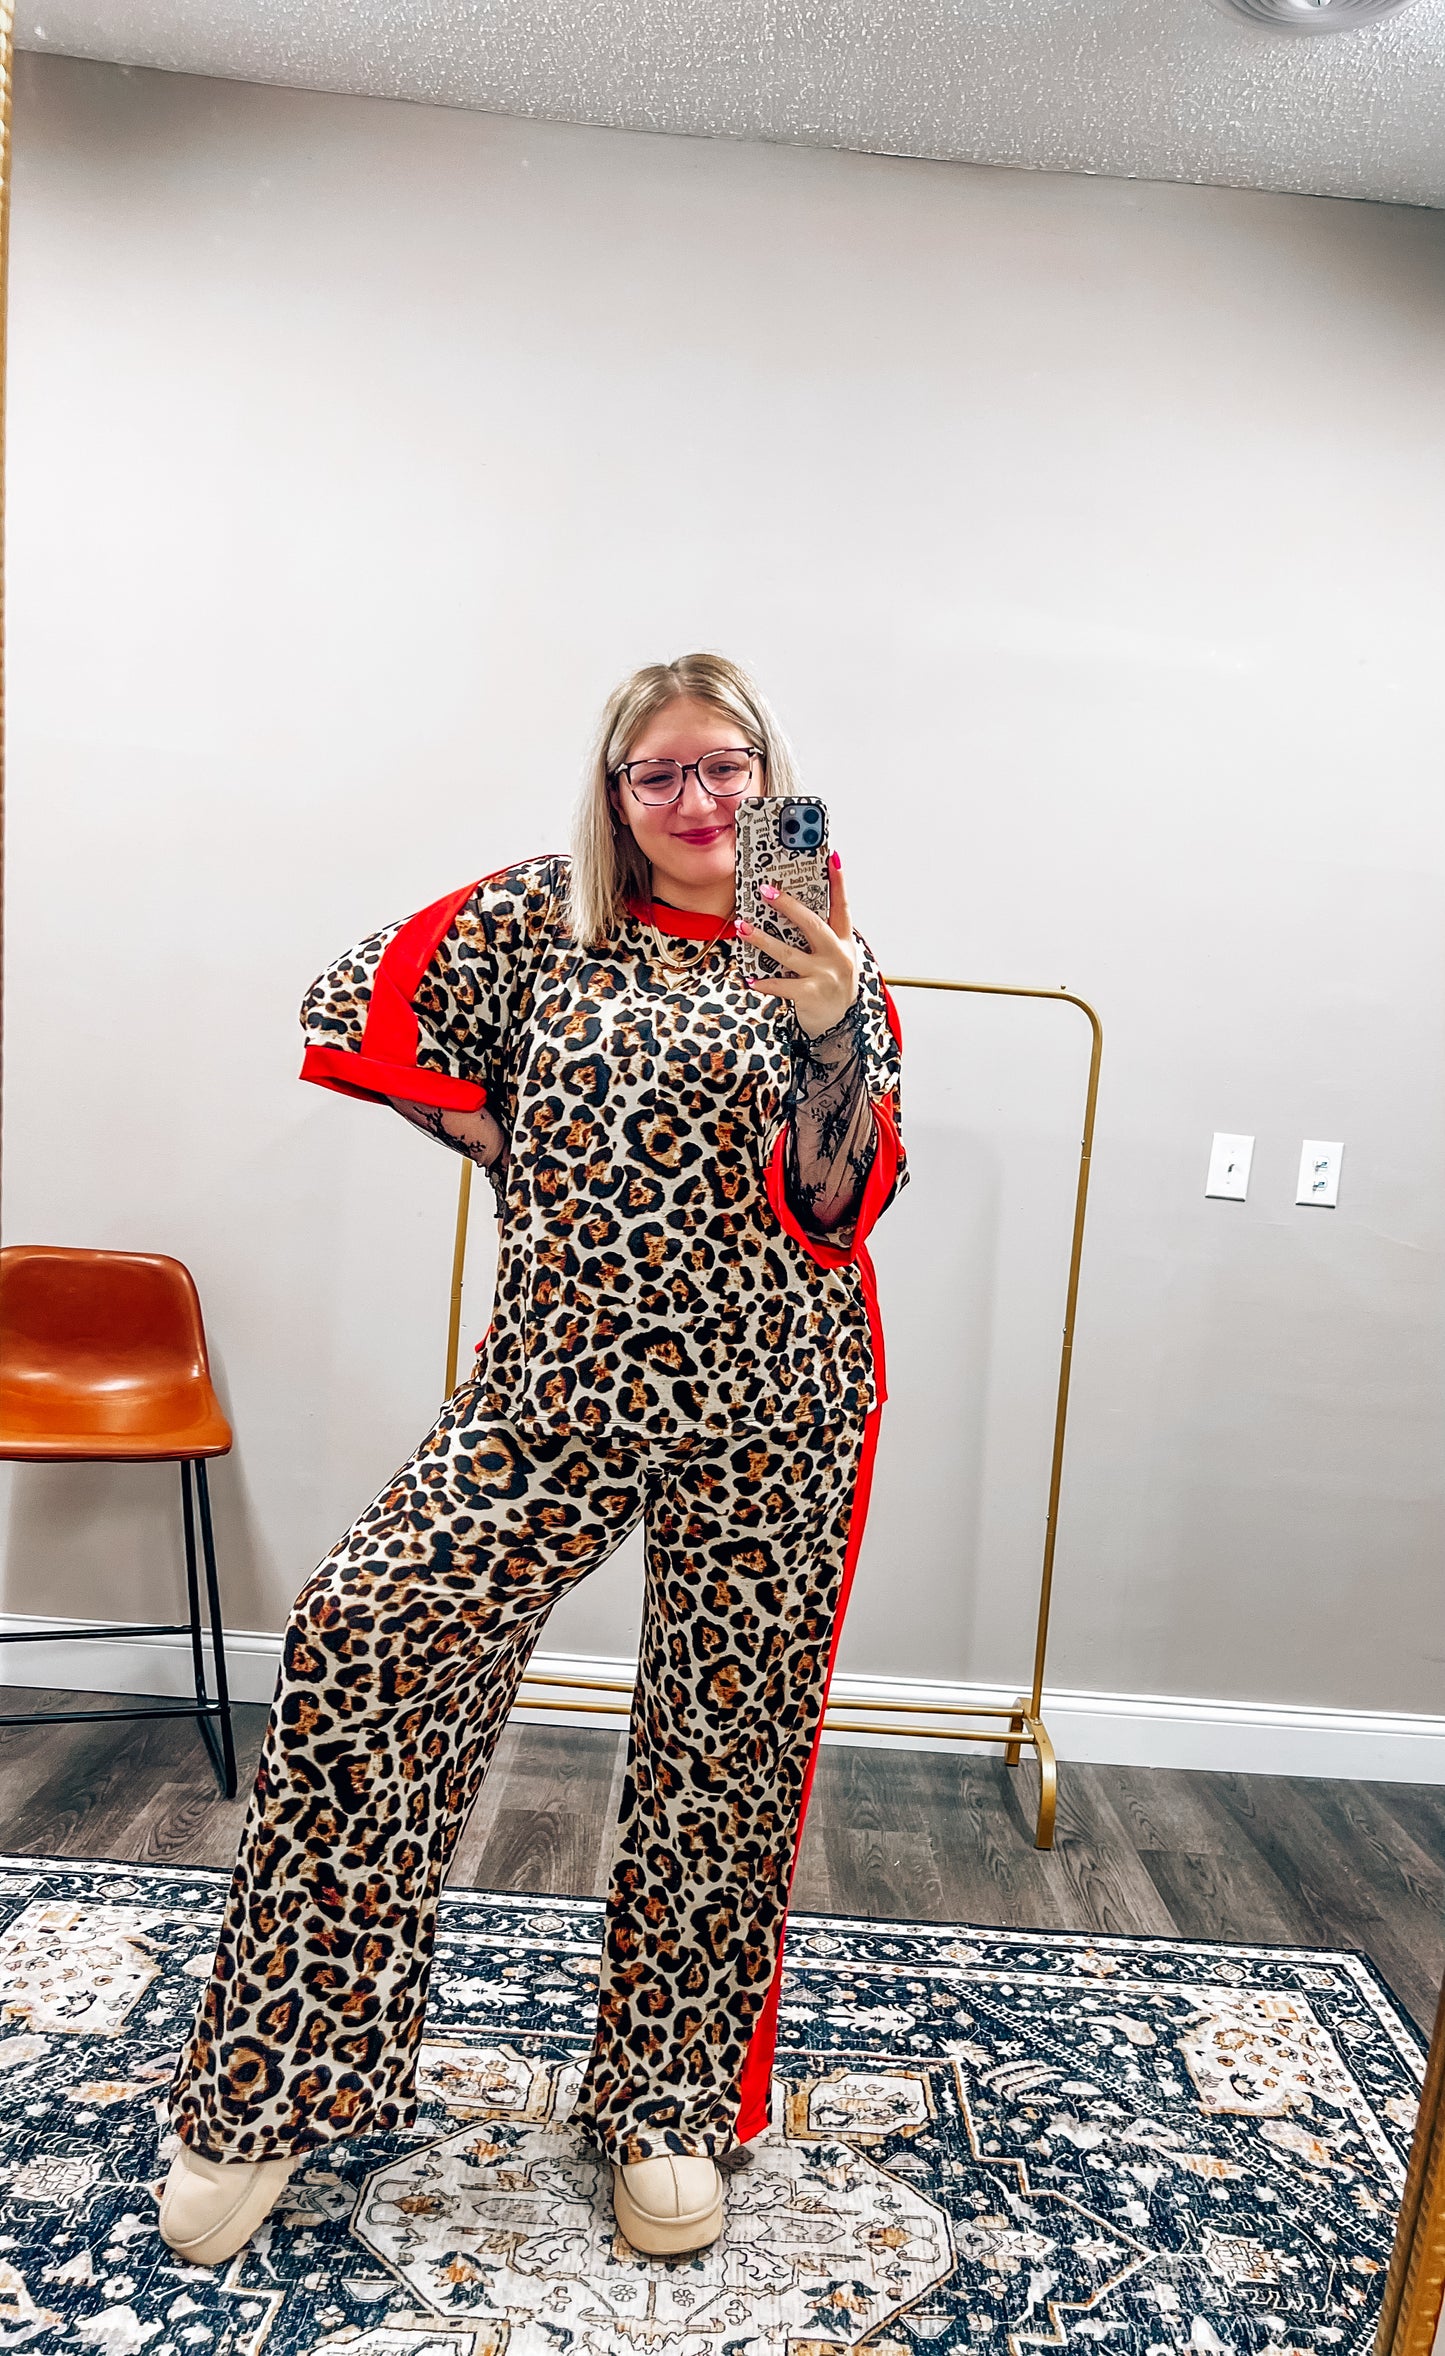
(1146, 89)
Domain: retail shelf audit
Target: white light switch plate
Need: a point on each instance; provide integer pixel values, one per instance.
(1229, 1160)
(1319, 1172)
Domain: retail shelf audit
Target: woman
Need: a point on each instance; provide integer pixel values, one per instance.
(686, 1164)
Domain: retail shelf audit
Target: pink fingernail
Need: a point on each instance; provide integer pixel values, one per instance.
(768, 891)
(835, 861)
(741, 928)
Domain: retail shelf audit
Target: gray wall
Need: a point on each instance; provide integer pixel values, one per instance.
(1087, 534)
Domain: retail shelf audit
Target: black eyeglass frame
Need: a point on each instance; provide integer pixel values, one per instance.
(624, 768)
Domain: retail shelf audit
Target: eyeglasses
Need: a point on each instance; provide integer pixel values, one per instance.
(725, 775)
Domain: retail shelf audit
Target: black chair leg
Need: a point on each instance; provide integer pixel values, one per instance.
(218, 1636)
(193, 1586)
(223, 1753)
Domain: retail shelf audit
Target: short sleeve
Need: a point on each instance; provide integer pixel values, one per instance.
(420, 1011)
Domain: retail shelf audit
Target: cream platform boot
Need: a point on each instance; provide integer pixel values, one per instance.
(209, 2211)
(668, 2205)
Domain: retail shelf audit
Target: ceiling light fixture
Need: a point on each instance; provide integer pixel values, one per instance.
(1312, 16)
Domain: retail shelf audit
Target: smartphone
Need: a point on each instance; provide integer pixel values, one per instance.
(782, 841)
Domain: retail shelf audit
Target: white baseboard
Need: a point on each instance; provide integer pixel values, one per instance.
(1105, 1729)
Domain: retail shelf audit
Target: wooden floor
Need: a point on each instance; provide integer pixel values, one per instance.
(1281, 1859)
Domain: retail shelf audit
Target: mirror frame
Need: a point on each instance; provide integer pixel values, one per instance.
(7, 88)
(1411, 2316)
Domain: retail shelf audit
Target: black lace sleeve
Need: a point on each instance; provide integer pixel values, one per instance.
(476, 1135)
(830, 1137)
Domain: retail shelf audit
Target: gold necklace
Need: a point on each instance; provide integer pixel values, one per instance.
(685, 964)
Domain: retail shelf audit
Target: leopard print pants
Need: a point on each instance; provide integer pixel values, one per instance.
(401, 1662)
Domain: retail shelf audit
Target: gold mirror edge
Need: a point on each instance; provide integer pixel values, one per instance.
(1414, 2301)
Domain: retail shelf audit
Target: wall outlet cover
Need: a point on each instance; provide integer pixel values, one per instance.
(1319, 1172)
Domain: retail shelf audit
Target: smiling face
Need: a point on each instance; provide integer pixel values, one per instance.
(691, 845)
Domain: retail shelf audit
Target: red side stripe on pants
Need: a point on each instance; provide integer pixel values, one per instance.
(756, 2081)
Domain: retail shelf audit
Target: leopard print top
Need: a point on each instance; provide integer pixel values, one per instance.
(653, 1278)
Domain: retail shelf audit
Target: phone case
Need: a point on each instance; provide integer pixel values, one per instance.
(761, 858)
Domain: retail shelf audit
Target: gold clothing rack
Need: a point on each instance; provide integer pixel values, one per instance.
(1022, 1726)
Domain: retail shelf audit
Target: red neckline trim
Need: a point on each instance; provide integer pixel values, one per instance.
(691, 924)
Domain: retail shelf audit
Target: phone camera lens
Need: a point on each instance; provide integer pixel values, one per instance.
(801, 829)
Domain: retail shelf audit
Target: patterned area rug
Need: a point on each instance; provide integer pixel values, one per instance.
(993, 2140)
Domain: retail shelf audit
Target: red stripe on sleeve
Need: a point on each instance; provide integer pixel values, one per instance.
(894, 1025)
(365, 1076)
(876, 1189)
(390, 1035)
(385, 1064)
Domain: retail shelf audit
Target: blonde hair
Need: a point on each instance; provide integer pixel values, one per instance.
(608, 869)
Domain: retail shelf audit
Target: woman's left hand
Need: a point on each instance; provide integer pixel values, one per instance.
(822, 980)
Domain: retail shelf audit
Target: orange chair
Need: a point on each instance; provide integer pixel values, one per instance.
(103, 1360)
